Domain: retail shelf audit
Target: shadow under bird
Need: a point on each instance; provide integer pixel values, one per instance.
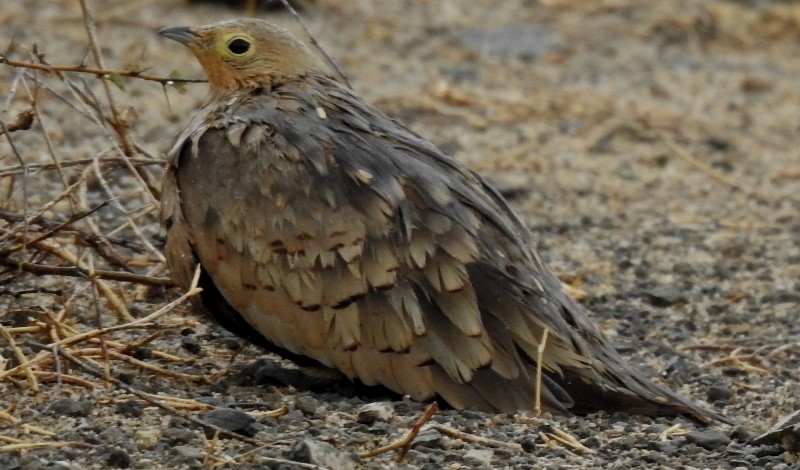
(329, 230)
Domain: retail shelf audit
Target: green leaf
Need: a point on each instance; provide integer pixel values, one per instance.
(137, 67)
(174, 77)
(117, 80)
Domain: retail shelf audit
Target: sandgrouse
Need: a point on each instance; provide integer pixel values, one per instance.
(327, 229)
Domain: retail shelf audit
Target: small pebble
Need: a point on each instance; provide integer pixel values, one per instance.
(322, 454)
(189, 452)
(306, 404)
(708, 439)
(718, 394)
(178, 435)
(142, 353)
(130, 408)
(113, 435)
(664, 447)
(147, 438)
(230, 420)
(481, 457)
(372, 412)
(591, 442)
(118, 458)
(664, 296)
(428, 438)
(232, 343)
(293, 417)
(191, 344)
(70, 407)
(528, 444)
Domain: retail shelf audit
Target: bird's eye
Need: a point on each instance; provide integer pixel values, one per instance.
(238, 46)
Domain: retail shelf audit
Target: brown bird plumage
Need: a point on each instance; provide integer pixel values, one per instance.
(329, 230)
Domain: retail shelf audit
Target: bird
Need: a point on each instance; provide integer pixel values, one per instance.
(327, 230)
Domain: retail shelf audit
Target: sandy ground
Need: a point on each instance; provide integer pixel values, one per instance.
(651, 146)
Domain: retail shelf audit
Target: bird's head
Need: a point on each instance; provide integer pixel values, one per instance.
(246, 53)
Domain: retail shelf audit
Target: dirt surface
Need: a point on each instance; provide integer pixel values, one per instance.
(651, 146)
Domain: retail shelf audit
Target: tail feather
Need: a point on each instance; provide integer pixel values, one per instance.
(638, 397)
(619, 387)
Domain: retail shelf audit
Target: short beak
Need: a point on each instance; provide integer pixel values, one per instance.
(182, 34)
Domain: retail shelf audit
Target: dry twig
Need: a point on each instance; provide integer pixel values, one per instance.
(78, 271)
(404, 444)
(27, 428)
(70, 339)
(20, 445)
(484, 441)
(568, 440)
(99, 72)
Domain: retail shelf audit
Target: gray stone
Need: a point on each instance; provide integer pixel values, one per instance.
(430, 438)
(664, 296)
(709, 439)
(718, 394)
(118, 458)
(178, 435)
(131, 408)
(189, 452)
(479, 457)
(113, 435)
(70, 407)
(308, 405)
(231, 420)
(322, 454)
(528, 443)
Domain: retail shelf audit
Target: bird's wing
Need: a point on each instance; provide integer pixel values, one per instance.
(337, 233)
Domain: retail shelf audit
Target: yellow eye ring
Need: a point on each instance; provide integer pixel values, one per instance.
(238, 45)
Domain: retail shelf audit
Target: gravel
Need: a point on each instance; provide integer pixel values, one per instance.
(650, 146)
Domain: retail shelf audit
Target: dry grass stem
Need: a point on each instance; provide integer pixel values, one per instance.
(569, 441)
(25, 446)
(29, 375)
(537, 408)
(27, 428)
(674, 430)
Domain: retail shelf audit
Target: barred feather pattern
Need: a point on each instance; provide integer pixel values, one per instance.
(331, 231)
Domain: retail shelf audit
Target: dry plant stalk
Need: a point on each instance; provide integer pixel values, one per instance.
(60, 248)
(537, 410)
(105, 74)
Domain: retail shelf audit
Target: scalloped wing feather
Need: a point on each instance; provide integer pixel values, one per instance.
(345, 237)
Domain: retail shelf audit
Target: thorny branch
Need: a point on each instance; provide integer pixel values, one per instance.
(101, 73)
